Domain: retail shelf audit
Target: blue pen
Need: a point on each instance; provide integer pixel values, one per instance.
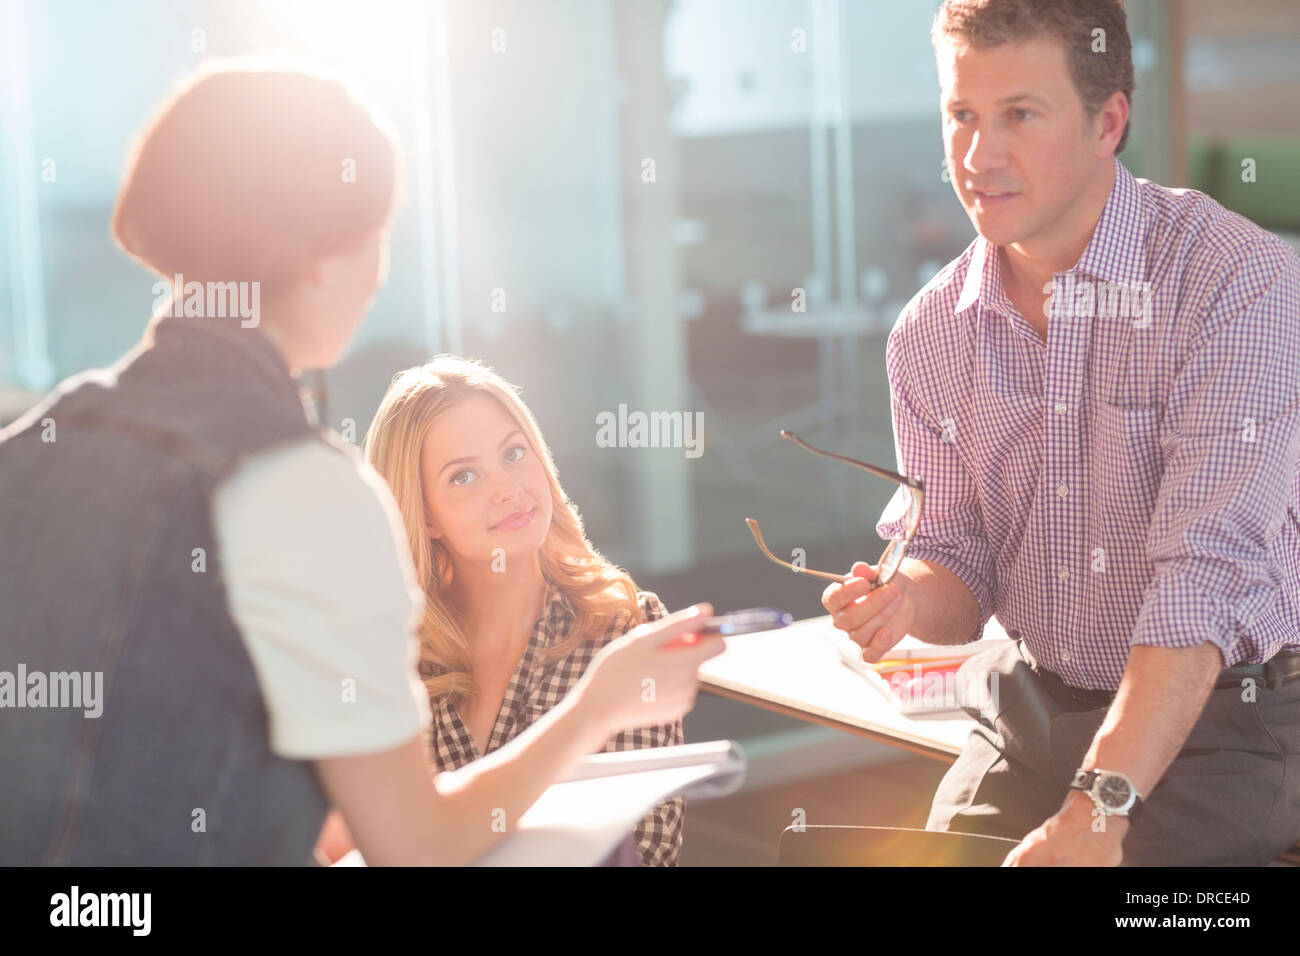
(747, 621)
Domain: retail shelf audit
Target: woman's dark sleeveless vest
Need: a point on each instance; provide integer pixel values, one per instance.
(105, 502)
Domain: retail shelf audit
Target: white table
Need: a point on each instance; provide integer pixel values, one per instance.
(796, 671)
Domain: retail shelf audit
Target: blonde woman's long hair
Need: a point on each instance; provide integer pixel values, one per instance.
(599, 591)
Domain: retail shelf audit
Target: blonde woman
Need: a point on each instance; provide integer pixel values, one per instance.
(516, 600)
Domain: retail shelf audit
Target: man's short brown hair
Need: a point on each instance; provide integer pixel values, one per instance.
(1096, 75)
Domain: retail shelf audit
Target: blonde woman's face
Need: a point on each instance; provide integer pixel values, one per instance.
(486, 493)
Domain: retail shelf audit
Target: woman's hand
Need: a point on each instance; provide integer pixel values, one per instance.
(876, 619)
(636, 680)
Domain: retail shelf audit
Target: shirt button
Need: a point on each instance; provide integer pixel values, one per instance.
(1062, 489)
(1063, 572)
(1066, 656)
(1060, 408)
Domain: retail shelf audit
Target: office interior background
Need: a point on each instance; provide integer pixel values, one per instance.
(795, 145)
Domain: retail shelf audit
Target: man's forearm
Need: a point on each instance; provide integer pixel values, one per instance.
(1162, 695)
(946, 610)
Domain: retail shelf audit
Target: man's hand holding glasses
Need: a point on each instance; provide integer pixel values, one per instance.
(873, 605)
(876, 618)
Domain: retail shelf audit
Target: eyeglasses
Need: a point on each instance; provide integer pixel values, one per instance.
(889, 562)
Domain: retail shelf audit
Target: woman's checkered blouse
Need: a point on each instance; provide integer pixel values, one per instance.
(537, 686)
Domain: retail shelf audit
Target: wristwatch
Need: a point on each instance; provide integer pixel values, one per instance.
(1112, 792)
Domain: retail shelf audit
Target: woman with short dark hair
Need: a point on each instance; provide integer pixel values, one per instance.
(180, 525)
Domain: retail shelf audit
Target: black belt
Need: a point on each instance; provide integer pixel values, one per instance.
(1273, 673)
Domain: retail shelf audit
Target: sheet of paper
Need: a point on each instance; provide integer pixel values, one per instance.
(578, 823)
(721, 752)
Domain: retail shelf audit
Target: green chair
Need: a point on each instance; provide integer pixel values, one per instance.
(1216, 167)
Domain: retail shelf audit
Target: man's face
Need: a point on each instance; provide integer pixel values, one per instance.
(1016, 136)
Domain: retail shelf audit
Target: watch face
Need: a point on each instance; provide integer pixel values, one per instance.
(1114, 792)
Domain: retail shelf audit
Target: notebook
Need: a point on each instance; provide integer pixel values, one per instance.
(578, 821)
(582, 818)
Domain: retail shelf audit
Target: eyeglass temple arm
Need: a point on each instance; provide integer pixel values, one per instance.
(758, 539)
(873, 469)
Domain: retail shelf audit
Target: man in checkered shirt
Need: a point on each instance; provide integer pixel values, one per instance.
(1102, 396)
